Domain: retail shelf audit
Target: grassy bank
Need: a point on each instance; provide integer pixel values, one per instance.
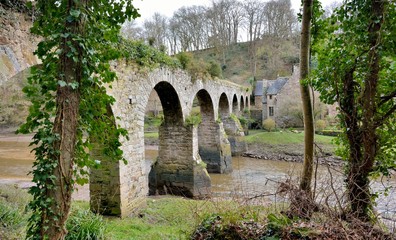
(163, 218)
(285, 142)
(178, 218)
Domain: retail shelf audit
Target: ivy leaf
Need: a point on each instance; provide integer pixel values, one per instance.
(73, 85)
(62, 83)
(75, 13)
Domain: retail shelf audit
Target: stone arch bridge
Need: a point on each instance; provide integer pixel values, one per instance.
(186, 153)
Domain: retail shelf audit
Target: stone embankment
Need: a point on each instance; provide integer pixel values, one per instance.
(324, 160)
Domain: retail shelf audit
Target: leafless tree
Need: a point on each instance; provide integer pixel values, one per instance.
(155, 30)
(279, 18)
(131, 30)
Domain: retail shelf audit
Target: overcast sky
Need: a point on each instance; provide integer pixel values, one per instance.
(167, 7)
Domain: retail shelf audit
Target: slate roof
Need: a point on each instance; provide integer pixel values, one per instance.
(276, 86)
(258, 91)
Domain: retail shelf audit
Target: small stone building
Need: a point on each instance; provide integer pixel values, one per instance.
(280, 99)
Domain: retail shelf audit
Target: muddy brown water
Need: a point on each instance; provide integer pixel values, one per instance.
(253, 180)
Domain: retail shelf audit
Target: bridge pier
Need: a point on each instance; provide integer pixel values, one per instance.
(179, 170)
(214, 147)
(236, 135)
(104, 185)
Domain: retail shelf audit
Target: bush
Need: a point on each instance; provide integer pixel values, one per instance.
(194, 120)
(184, 59)
(83, 224)
(13, 213)
(214, 69)
(269, 124)
(320, 124)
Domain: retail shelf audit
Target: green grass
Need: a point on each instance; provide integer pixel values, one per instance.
(260, 136)
(13, 216)
(177, 218)
(153, 135)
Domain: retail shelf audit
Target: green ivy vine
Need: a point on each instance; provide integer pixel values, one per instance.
(91, 48)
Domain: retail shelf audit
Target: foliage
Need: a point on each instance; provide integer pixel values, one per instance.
(146, 55)
(214, 69)
(320, 124)
(151, 122)
(184, 59)
(360, 38)
(83, 224)
(244, 120)
(269, 124)
(198, 68)
(194, 119)
(13, 214)
(89, 49)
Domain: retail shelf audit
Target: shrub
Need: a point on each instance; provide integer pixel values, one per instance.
(13, 212)
(269, 124)
(214, 69)
(194, 120)
(184, 59)
(83, 224)
(320, 124)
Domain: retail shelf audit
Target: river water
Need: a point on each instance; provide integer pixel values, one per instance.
(252, 180)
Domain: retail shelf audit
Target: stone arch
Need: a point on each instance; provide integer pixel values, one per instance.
(224, 108)
(170, 103)
(206, 105)
(213, 145)
(235, 105)
(177, 170)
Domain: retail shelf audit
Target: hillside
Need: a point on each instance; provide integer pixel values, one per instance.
(275, 57)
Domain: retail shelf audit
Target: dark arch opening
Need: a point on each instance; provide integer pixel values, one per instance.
(224, 109)
(170, 103)
(246, 102)
(206, 105)
(235, 105)
(242, 104)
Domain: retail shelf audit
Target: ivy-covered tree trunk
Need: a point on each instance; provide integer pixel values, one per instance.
(362, 134)
(306, 176)
(69, 102)
(65, 127)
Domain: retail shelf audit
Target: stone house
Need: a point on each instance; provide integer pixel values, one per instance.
(266, 96)
(280, 99)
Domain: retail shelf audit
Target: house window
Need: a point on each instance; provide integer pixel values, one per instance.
(270, 96)
(271, 111)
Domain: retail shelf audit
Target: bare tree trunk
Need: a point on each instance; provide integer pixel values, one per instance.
(306, 176)
(65, 127)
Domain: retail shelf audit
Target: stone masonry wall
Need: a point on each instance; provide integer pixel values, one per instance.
(235, 133)
(17, 44)
(179, 170)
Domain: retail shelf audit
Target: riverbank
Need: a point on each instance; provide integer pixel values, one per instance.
(168, 217)
(289, 146)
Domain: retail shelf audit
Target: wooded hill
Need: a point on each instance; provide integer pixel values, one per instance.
(242, 62)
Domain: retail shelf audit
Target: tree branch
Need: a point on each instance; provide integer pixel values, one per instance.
(386, 98)
(381, 121)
